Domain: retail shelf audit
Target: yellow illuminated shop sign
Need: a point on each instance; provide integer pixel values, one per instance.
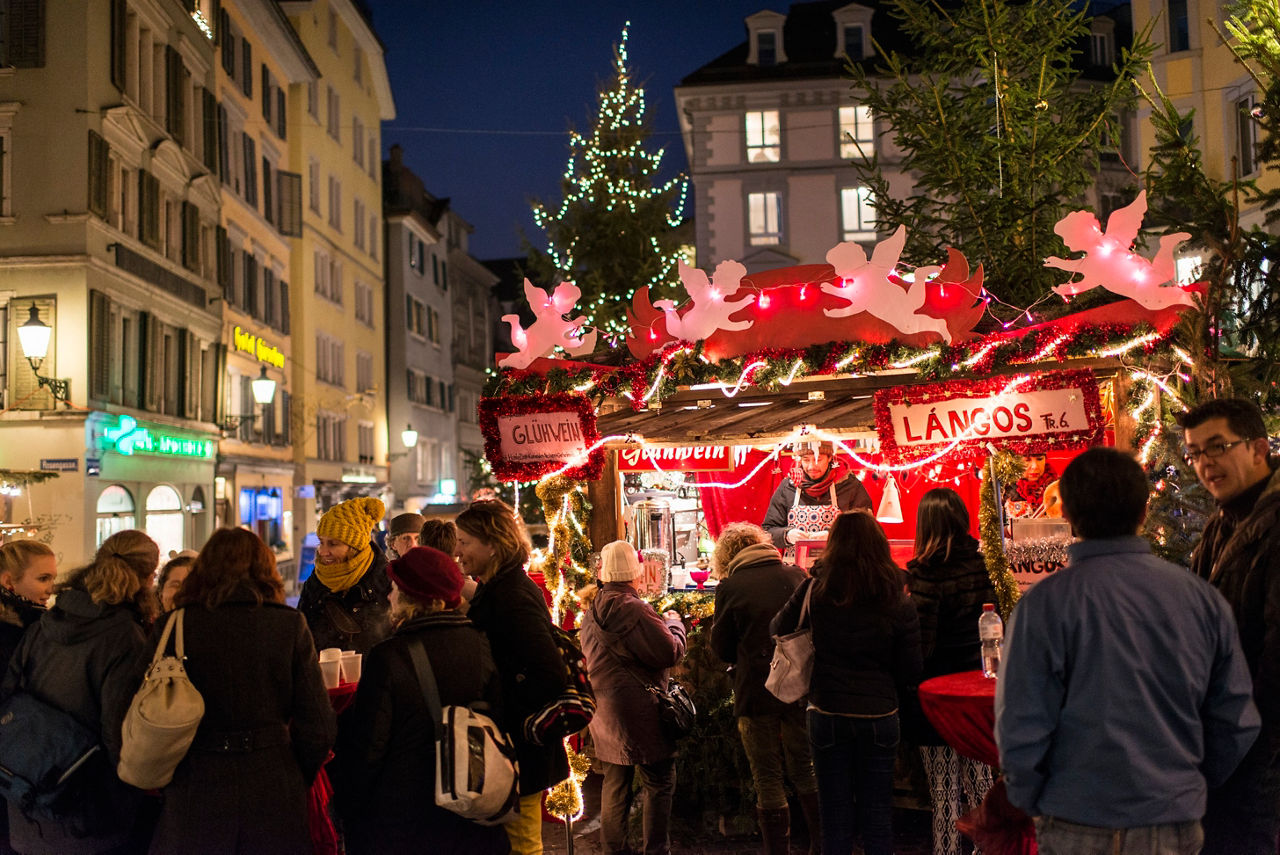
(259, 349)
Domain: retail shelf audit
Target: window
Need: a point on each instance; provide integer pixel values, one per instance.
(328, 276)
(329, 359)
(333, 118)
(364, 371)
(852, 34)
(1179, 27)
(358, 221)
(764, 137)
(313, 184)
(856, 132)
(165, 522)
(335, 202)
(1100, 50)
(767, 48)
(268, 192)
(764, 214)
(313, 99)
(857, 214)
(364, 304)
(364, 438)
(433, 325)
(375, 238)
(417, 385)
(1247, 135)
(357, 141)
(359, 66)
(373, 156)
(333, 29)
(415, 316)
(267, 99)
(115, 512)
(331, 436)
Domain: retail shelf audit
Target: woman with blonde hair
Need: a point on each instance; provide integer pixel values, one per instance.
(268, 724)
(384, 767)
(82, 657)
(509, 609)
(28, 569)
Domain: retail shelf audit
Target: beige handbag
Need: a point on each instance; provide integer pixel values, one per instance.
(163, 718)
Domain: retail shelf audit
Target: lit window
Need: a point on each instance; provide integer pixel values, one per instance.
(858, 214)
(764, 137)
(765, 218)
(856, 132)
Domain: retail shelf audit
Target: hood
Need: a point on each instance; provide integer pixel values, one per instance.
(17, 610)
(609, 598)
(75, 617)
(963, 550)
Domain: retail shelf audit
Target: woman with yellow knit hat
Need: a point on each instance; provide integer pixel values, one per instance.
(345, 601)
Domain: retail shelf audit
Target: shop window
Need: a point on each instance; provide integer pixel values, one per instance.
(165, 521)
(199, 517)
(115, 512)
(262, 511)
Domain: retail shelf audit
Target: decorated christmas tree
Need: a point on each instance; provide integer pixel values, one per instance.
(615, 228)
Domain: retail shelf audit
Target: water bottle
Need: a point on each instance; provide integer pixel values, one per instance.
(991, 634)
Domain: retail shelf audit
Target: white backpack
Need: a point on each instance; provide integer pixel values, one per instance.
(476, 768)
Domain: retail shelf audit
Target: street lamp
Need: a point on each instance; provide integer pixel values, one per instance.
(409, 437)
(264, 392)
(34, 337)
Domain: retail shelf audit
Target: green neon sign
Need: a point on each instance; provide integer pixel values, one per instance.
(127, 437)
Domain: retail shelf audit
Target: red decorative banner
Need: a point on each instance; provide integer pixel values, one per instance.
(689, 458)
(528, 436)
(1026, 414)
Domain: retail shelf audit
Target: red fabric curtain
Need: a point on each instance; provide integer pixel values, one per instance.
(746, 503)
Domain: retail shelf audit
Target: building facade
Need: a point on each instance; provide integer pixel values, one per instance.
(108, 236)
(260, 62)
(338, 416)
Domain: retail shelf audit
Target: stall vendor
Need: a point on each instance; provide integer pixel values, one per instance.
(818, 488)
(1028, 496)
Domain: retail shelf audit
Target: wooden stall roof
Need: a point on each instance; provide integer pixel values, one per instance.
(841, 406)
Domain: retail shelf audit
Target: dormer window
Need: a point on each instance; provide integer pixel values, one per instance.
(853, 31)
(1102, 50)
(764, 39)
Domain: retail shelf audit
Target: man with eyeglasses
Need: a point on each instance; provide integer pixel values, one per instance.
(1239, 553)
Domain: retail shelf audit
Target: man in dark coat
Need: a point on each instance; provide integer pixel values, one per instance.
(628, 649)
(817, 475)
(754, 586)
(1226, 443)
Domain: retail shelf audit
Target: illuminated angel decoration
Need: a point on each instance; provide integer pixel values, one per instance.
(549, 329)
(714, 300)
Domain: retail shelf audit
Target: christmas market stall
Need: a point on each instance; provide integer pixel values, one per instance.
(885, 366)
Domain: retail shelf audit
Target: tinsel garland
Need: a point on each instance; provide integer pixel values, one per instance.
(697, 606)
(564, 800)
(1003, 468)
(562, 569)
(1045, 550)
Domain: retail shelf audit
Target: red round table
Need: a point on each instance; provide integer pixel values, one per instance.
(324, 836)
(962, 708)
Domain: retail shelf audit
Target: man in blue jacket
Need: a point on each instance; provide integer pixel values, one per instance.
(1123, 695)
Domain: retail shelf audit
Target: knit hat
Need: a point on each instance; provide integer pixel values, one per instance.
(824, 447)
(427, 574)
(406, 524)
(619, 562)
(352, 522)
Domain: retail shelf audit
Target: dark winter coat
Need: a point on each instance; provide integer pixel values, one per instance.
(510, 611)
(16, 614)
(865, 656)
(948, 595)
(628, 647)
(366, 602)
(258, 672)
(82, 657)
(384, 769)
(746, 602)
(850, 494)
(1240, 556)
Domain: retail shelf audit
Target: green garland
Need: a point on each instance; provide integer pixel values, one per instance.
(1004, 468)
(569, 541)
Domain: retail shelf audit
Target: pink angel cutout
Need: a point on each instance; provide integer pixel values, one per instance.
(712, 304)
(549, 329)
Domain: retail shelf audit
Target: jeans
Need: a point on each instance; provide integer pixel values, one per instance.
(658, 783)
(767, 740)
(525, 832)
(853, 759)
(1058, 837)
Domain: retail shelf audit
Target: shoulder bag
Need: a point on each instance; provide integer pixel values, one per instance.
(676, 710)
(163, 718)
(792, 664)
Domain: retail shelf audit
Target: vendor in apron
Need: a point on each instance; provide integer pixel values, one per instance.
(819, 487)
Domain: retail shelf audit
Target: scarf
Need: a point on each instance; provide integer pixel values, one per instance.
(1033, 491)
(837, 471)
(756, 553)
(345, 574)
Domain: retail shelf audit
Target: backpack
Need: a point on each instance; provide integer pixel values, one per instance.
(42, 752)
(476, 768)
(573, 708)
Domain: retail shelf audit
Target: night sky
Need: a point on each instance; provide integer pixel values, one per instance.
(485, 91)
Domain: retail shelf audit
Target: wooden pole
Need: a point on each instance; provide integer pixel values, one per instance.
(606, 504)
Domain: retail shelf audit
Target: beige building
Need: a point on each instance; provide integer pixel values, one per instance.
(260, 63)
(108, 223)
(337, 382)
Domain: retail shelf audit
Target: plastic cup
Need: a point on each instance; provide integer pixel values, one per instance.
(331, 671)
(331, 654)
(351, 666)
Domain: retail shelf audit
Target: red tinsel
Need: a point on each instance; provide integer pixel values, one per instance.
(1090, 434)
(562, 402)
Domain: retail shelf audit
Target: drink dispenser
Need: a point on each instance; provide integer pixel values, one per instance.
(653, 535)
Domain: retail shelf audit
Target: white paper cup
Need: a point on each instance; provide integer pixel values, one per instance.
(331, 670)
(351, 666)
(330, 654)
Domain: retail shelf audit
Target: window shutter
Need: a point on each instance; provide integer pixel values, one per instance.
(97, 175)
(118, 52)
(224, 261)
(24, 34)
(148, 209)
(224, 150)
(282, 115)
(250, 170)
(99, 345)
(251, 285)
(266, 94)
(286, 417)
(289, 189)
(269, 296)
(228, 43)
(210, 126)
(174, 74)
(284, 307)
(246, 80)
(149, 364)
(268, 194)
(189, 371)
(190, 236)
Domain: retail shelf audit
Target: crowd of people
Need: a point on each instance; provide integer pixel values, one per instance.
(1136, 705)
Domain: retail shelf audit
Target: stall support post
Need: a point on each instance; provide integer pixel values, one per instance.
(1125, 425)
(605, 496)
